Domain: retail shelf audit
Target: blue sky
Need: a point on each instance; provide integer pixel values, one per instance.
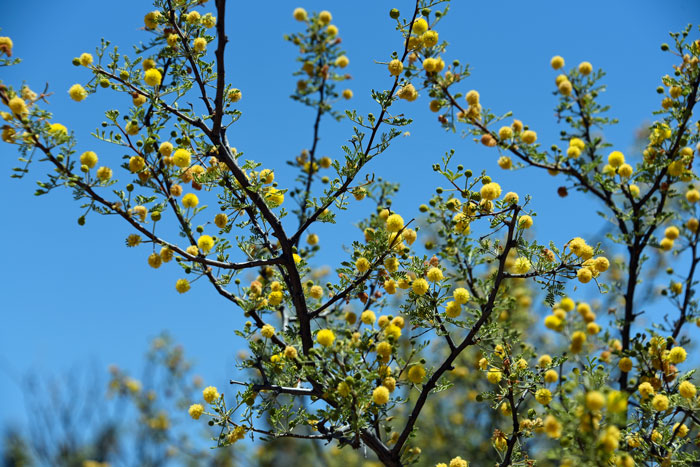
(75, 295)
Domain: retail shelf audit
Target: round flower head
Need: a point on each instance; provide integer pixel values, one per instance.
(267, 331)
(687, 390)
(429, 38)
(86, 59)
(494, 376)
(522, 265)
(190, 200)
(505, 162)
(154, 260)
(136, 164)
(325, 337)
(616, 159)
(6, 45)
(660, 403)
(89, 159)
(200, 44)
(491, 191)
(677, 355)
(394, 223)
(543, 396)
(332, 30)
(584, 275)
(666, 244)
(461, 295)
(325, 17)
(380, 395)
(362, 264)
(551, 376)
(416, 374)
(152, 77)
(435, 275)
(205, 243)
(210, 394)
(208, 21)
(595, 400)
(529, 137)
(342, 61)
(420, 26)
(625, 364)
(104, 174)
(182, 158)
(196, 411)
(150, 20)
(625, 171)
(419, 286)
(672, 232)
(585, 68)
(525, 222)
(453, 309)
(235, 95)
(77, 93)
(347, 94)
(601, 264)
(182, 285)
(557, 62)
(392, 332)
(300, 14)
(692, 196)
(395, 67)
(368, 317)
(193, 17)
(409, 235)
(165, 149)
(511, 198)
(565, 88)
(408, 92)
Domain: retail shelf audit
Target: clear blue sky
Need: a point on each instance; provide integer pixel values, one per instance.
(75, 295)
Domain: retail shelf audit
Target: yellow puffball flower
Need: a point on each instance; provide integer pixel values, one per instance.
(151, 18)
(552, 427)
(453, 309)
(692, 196)
(435, 275)
(511, 198)
(210, 394)
(165, 149)
(578, 338)
(193, 17)
(429, 38)
(660, 403)
(290, 352)
(325, 17)
(543, 396)
(409, 235)
(182, 285)
(88, 158)
(672, 232)
(687, 390)
(152, 77)
(394, 223)
(166, 254)
(419, 26)
(529, 137)
(139, 100)
(342, 61)
(505, 132)
(200, 44)
(584, 275)
(565, 88)
(86, 59)
(677, 355)
(419, 286)
(362, 264)
(573, 152)
(347, 94)
(617, 402)
(104, 174)
(693, 224)
(645, 389)
(505, 162)
(666, 244)
(316, 292)
(190, 200)
(408, 92)
(300, 14)
(616, 159)
(522, 265)
(267, 331)
(472, 97)
(132, 128)
(494, 376)
(551, 376)
(196, 411)
(18, 106)
(461, 295)
(625, 171)
(544, 361)
(77, 93)
(595, 400)
(681, 431)
(392, 331)
(154, 260)
(601, 264)
(209, 21)
(136, 164)
(585, 68)
(205, 243)
(416, 374)
(325, 337)
(625, 364)
(395, 67)
(553, 322)
(380, 395)
(557, 62)
(490, 191)
(274, 197)
(525, 222)
(368, 317)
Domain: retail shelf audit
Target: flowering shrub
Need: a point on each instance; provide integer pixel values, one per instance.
(370, 361)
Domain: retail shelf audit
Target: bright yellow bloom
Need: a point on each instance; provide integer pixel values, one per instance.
(416, 374)
(551, 376)
(86, 59)
(420, 26)
(210, 394)
(529, 137)
(362, 264)
(395, 67)
(419, 286)
(151, 18)
(557, 62)
(380, 395)
(88, 158)
(659, 402)
(585, 68)
(205, 243)
(490, 191)
(190, 200)
(595, 400)
(677, 355)
(522, 265)
(394, 223)
(152, 77)
(494, 376)
(300, 14)
(435, 275)
(196, 411)
(625, 364)
(616, 159)
(543, 396)
(325, 337)
(461, 295)
(77, 93)
(200, 44)
(342, 61)
(182, 285)
(687, 389)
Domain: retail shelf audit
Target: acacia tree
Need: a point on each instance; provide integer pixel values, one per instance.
(360, 361)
